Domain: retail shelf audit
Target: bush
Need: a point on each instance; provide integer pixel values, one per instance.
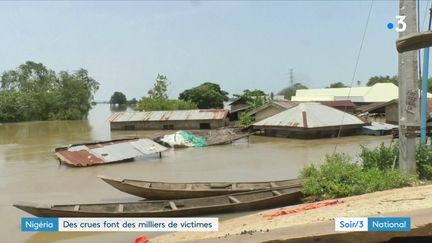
(381, 157)
(424, 162)
(246, 120)
(339, 177)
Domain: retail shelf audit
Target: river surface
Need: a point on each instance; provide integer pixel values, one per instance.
(29, 171)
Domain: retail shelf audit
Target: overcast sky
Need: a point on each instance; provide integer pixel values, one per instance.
(239, 45)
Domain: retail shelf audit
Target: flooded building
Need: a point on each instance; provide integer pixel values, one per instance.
(237, 107)
(386, 111)
(275, 107)
(169, 120)
(310, 120)
(271, 109)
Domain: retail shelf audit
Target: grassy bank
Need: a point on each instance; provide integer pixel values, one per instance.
(375, 170)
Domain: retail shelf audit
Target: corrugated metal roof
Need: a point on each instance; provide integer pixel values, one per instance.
(108, 151)
(310, 115)
(116, 152)
(282, 104)
(339, 103)
(147, 146)
(176, 115)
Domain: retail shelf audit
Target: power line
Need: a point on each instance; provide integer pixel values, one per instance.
(355, 67)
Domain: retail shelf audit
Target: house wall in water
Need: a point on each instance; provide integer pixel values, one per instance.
(168, 125)
(310, 133)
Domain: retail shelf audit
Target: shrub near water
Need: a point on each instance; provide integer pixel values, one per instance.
(424, 162)
(339, 177)
(381, 157)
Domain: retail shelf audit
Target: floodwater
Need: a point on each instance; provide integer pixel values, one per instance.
(29, 172)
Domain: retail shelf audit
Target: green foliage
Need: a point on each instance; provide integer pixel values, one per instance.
(337, 85)
(254, 98)
(158, 99)
(245, 119)
(34, 92)
(382, 79)
(160, 88)
(381, 157)
(133, 101)
(291, 90)
(339, 177)
(206, 96)
(424, 161)
(148, 104)
(118, 98)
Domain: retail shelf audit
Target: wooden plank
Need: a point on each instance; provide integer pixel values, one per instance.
(233, 199)
(414, 41)
(188, 186)
(77, 208)
(172, 205)
(276, 193)
(272, 184)
(234, 186)
(120, 208)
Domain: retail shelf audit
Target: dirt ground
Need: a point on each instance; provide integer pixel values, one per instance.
(373, 204)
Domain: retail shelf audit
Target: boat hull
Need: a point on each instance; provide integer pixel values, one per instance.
(144, 190)
(291, 197)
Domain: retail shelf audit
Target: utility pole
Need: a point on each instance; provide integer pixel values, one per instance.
(408, 92)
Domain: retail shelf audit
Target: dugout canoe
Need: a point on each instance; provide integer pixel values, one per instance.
(245, 201)
(166, 190)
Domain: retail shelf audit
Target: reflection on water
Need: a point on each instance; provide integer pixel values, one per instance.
(29, 171)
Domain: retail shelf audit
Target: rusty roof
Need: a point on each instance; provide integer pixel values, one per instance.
(374, 106)
(176, 115)
(107, 151)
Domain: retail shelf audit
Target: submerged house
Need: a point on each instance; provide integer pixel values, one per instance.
(387, 112)
(169, 120)
(310, 120)
(274, 107)
(237, 107)
(270, 109)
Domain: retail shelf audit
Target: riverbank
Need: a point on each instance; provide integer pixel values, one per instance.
(259, 225)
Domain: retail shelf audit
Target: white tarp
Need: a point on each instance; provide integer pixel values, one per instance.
(176, 140)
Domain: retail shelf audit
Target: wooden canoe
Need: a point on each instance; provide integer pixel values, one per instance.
(165, 190)
(173, 208)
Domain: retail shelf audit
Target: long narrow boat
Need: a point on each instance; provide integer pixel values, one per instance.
(173, 208)
(165, 190)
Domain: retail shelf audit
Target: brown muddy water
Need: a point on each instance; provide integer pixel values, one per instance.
(29, 172)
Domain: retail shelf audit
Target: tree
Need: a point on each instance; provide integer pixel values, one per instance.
(254, 98)
(291, 90)
(118, 98)
(157, 99)
(160, 88)
(206, 96)
(148, 104)
(337, 85)
(382, 79)
(34, 92)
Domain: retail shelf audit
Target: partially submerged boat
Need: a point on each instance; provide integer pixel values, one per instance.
(166, 190)
(253, 200)
(96, 153)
